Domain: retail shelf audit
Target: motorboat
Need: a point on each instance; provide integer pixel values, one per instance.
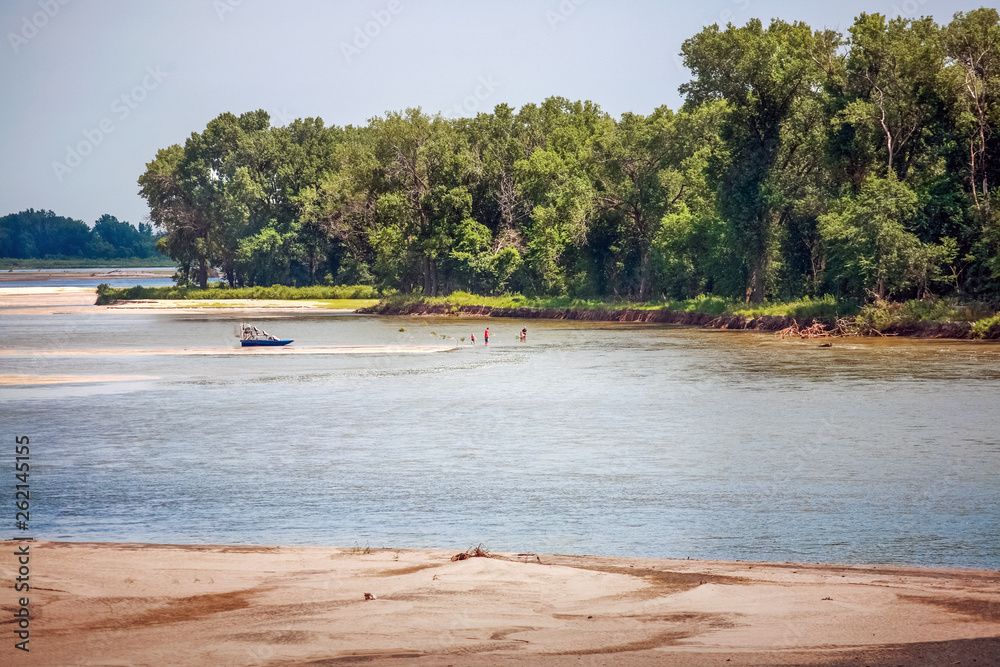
(251, 336)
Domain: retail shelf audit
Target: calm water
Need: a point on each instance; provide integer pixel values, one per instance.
(601, 439)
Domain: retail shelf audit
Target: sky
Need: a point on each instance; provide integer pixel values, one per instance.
(91, 89)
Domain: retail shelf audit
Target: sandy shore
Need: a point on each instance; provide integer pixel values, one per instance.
(97, 275)
(139, 604)
(15, 380)
(44, 300)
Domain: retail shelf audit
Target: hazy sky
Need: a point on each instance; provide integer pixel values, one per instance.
(91, 89)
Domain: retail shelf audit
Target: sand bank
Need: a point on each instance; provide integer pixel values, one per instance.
(203, 605)
(97, 275)
(234, 304)
(47, 300)
(44, 300)
(8, 380)
(242, 351)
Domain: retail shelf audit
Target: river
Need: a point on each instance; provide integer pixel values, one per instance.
(633, 440)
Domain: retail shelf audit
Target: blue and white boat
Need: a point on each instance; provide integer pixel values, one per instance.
(251, 336)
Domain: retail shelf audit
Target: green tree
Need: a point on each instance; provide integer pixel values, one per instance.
(420, 154)
(972, 41)
(690, 250)
(869, 241)
(172, 207)
(761, 73)
(632, 179)
(893, 70)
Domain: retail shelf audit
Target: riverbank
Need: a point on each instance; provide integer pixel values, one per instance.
(797, 326)
(209, 605)
(885, 320)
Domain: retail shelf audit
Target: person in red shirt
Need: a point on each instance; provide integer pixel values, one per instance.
(486, 336)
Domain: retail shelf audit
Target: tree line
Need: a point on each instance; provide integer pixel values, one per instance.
(802, 162)
(35, 234)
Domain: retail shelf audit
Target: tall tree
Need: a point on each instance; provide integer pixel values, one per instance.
(172, 207)
(631, 178)
(972, 41)
(761, 73)
(893, 71)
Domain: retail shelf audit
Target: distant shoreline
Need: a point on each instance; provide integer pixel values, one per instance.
(89, 274)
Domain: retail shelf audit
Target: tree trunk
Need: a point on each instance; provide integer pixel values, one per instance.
(643, 274)
(756, 286)
(203, 273)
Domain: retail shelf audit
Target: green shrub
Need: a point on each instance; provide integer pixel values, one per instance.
(220, 291)
(982, 326)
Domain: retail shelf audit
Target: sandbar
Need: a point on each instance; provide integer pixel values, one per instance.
(242, 351)
(44, 300)
(42, 276)
(8, 380)
(95, 603)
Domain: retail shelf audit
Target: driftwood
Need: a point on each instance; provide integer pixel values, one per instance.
(473, 552)
(841, 327)
(814, 330)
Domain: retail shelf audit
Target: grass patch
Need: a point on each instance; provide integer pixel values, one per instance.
(353, 304)
(107, 294)
(823, 308)
(982, 326)
(516, 301)
(882, 315)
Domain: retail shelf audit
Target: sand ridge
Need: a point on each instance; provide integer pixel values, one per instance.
(207, 605)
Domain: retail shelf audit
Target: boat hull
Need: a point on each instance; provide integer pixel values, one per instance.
(264, 343)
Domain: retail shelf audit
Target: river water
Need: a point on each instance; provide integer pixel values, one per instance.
(637, 440)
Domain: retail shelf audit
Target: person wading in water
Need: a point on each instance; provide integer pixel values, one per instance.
(486, 336)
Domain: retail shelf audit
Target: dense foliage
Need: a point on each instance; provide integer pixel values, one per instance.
(802, 163)
(43, 234)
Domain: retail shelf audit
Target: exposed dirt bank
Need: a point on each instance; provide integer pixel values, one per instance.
(763, 323)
